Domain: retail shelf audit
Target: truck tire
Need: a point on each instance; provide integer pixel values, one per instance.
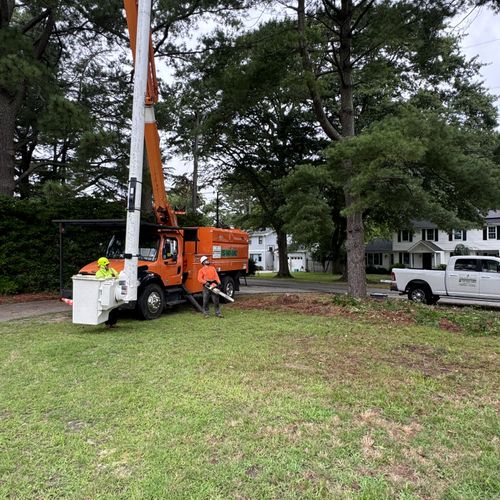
(420, 294)
(151, 302)
(227, 286)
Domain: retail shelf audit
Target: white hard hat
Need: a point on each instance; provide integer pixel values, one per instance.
(203, 259)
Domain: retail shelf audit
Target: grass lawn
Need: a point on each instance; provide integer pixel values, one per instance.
(373, 279)
(347, 401)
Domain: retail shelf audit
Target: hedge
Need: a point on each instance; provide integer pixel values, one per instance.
(29, 240)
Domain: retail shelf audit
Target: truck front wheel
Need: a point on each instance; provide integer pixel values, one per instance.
(420, 294)
(151, 302)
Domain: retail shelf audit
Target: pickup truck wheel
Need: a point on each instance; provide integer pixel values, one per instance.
(151, 302)
(420, 294)
(228, 286)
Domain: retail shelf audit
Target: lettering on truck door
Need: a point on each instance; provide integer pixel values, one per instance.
(463, 280)
(489, 285)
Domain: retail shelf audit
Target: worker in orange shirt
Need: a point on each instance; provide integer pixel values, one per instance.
(209, 278)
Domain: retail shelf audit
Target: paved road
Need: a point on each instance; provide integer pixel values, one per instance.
(294, 285)
(21, 310)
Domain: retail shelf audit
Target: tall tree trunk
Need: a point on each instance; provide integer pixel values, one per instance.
(355, 245)
(7, 131)
(354, 222)
(283, 269)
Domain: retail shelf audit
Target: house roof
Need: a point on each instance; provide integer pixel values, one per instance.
(379, 245)
(261, 232)
(493, 217)
(423, 224)
(425, 247)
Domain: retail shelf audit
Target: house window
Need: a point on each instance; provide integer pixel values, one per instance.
(261, 240)
(256, 257)
(374, 259)
(457, 235)
(405, 235)
(404, 258)
(430, 234)
(492, 232)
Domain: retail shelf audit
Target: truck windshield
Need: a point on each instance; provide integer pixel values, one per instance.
(148, 247)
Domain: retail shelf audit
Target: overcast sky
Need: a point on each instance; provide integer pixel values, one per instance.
(480, 28)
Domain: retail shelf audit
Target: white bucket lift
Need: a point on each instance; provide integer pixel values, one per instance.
(93, 299)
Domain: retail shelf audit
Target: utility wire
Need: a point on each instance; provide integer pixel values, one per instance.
(481, 43)
(464, 18)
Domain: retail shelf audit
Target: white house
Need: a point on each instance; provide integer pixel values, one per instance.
(263, 250)
(426, 247)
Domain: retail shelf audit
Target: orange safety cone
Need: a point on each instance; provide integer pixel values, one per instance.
(67, 301)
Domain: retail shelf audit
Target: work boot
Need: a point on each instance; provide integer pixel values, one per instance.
(219, 314)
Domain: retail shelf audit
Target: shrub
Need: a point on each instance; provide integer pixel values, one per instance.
(252, 267)
(376, 270)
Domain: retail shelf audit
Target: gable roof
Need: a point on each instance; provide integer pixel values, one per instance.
(426, 246)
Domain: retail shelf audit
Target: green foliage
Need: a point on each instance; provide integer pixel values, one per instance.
(29, 253)
(344, 300)
(399, 265)
(461, 249)
(416, 166)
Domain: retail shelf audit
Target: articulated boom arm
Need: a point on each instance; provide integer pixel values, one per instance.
(163, 211)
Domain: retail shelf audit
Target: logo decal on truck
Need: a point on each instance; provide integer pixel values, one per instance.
(467, 281)
(219, 252)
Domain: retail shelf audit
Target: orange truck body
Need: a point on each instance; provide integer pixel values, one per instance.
(227, 250)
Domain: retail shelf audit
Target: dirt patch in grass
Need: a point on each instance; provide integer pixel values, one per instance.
(27, 297)
(310, 304)
(429, 360)
(390, 313)
(321, 305)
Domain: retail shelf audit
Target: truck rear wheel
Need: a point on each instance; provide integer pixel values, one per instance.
(228, 286)
(420, 294)
(151, 302)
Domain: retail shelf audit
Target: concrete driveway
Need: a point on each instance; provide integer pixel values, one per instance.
(22, 310)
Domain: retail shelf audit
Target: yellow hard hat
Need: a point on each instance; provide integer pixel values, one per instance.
(103, 262)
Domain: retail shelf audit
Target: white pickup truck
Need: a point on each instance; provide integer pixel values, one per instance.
(466, 276)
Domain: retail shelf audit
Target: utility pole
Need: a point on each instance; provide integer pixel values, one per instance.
(136, 151)
(217, 210)
(194, 201)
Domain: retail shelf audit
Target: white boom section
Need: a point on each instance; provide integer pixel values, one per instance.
(129, 291)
